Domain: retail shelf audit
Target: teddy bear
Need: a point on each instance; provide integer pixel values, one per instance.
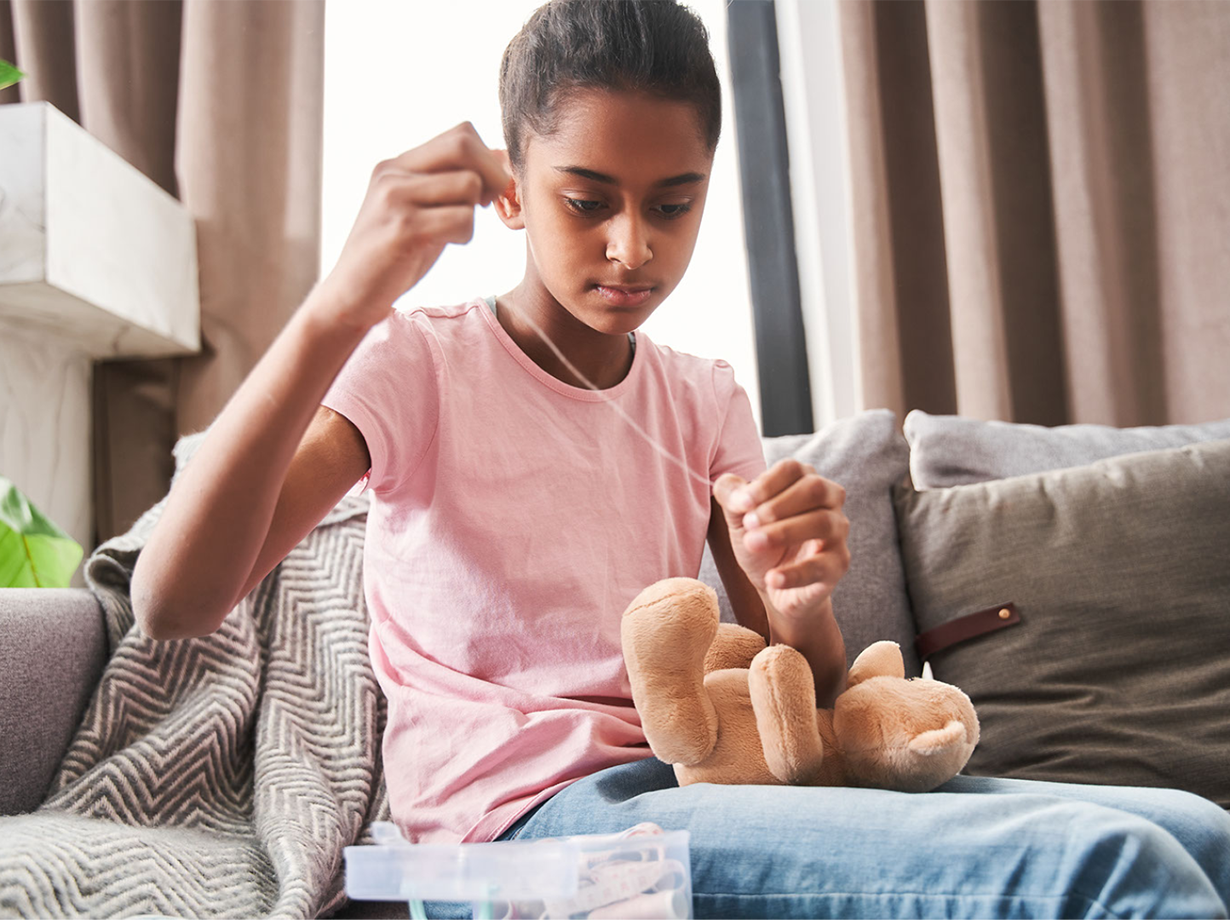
(722, 707)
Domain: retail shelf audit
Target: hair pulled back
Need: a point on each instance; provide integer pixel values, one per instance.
(653, 46)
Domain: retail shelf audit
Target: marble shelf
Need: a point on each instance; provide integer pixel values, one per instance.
(96, 262)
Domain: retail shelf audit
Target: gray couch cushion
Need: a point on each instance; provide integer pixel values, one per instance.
(52, 650)
(865, 454)
(1119, 669)
(948, 450)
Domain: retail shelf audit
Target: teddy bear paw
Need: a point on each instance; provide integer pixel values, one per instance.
(671, 624)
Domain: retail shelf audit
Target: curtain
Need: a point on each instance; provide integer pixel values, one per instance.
(220, 102)
(1041, 206)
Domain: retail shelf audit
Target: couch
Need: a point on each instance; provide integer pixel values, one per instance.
(1074, 581)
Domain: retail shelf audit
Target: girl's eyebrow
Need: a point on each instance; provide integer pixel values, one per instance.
(593, 176)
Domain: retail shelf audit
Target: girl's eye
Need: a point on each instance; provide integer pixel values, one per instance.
(583, 206)
(674, 210)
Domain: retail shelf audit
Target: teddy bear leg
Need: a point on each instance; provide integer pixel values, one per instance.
(666, 631)
(784, 699)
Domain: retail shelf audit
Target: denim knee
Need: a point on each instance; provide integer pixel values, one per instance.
(1130, 866)
(1203, 829)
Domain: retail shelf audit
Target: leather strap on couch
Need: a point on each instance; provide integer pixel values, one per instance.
(964, 628)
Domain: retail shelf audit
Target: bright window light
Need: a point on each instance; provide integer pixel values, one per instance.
(398, 73)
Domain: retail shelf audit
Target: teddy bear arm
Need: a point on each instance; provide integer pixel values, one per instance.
(733, 646)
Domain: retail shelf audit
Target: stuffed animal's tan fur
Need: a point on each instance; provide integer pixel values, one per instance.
(723, 708)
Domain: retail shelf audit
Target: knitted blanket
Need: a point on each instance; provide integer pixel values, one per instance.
(217, 776)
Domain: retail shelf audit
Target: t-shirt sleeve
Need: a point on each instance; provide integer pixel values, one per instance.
(739, 449)
(389, 390)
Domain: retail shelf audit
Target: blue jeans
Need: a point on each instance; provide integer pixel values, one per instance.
(975, 847)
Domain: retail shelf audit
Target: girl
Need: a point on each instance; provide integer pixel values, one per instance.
(535, 462)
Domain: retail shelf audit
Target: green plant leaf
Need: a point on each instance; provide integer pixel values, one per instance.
(8, 74)
(34, 552)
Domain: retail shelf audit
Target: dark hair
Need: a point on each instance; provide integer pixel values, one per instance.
(652, 46)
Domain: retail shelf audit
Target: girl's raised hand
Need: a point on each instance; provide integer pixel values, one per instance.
(788, 534)
(416, 204)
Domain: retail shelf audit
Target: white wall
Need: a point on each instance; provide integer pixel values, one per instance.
(398, 72)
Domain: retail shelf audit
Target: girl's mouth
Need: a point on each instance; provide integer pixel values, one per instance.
(621, 296)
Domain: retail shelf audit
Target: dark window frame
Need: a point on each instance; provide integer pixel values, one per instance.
(768, 219)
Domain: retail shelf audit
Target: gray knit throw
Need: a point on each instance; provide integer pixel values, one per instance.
(219, 776)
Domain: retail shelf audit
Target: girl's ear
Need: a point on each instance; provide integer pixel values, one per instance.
(508, 202)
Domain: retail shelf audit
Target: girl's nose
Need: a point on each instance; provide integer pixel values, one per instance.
(628, 243)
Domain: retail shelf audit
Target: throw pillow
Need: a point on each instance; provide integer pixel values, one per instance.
(866, 455)
(1115, 667)
(948, 450)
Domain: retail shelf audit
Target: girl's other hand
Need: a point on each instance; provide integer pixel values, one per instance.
(416, 204)
(788, 534)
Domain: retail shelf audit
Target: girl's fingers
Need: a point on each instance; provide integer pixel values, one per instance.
(458, 148)
(807, 491)
(822, 569)
(458, 186)
(832, 527)
(446, 224)
(768, 484)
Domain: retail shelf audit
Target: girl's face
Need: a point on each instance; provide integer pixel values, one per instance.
(611, 203)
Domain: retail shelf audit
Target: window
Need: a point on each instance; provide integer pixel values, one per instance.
(399, 73)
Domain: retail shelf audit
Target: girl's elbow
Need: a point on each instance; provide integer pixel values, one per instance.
(164, 617)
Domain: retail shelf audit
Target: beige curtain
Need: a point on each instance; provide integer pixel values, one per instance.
(1041, 194)
(220, 102)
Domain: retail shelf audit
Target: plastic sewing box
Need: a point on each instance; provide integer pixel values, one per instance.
(642, 872)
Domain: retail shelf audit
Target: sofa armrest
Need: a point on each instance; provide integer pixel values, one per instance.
(53, 646)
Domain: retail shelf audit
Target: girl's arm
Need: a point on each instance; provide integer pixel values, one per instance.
(272, 457)
(262, 478)
(799, 540)
(745, 600)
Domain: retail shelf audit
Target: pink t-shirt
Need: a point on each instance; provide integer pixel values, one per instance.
(513, 519)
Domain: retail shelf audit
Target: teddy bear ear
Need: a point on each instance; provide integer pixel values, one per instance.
(880, 659)
(939, 739)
